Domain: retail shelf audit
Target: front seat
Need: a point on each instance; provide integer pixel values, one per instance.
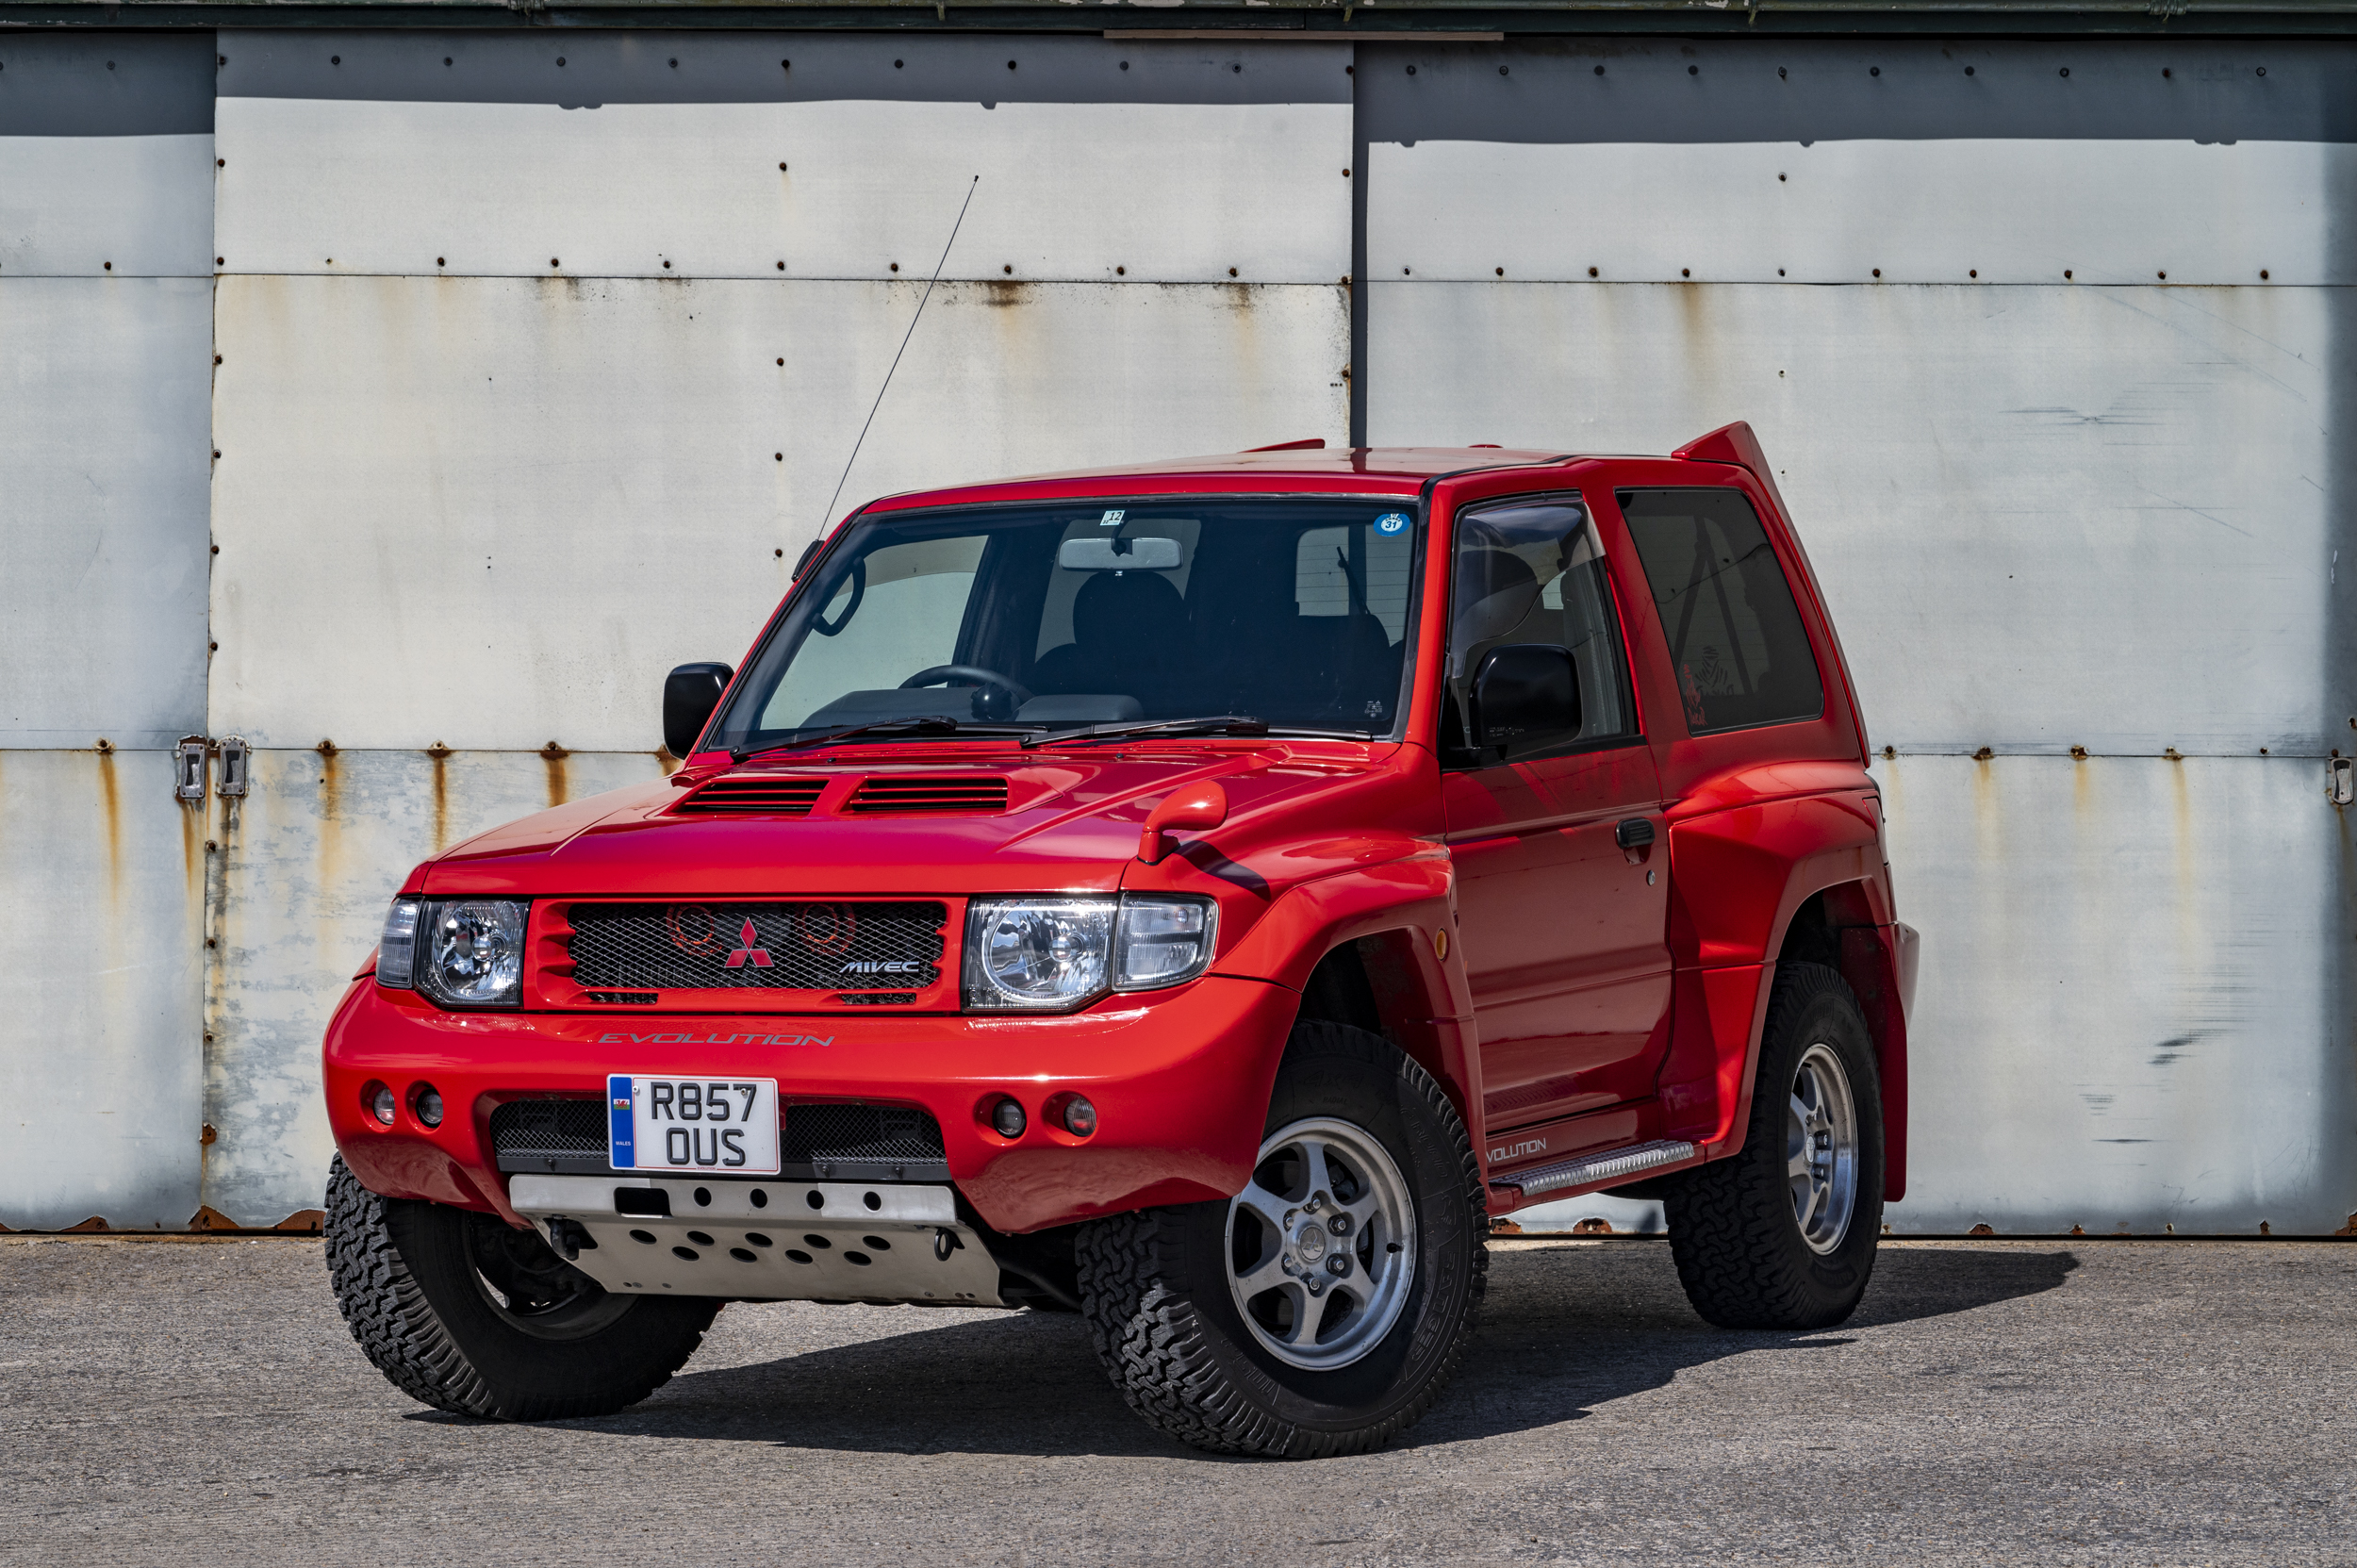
(1126, 626)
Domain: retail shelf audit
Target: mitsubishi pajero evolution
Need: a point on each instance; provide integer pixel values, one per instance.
(1199, 896)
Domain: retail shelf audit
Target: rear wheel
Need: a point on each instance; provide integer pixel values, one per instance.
(1783, 1234)
(1323, 1309)
(465, 1313)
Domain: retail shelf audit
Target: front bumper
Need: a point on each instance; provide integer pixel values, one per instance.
(1180, 1084)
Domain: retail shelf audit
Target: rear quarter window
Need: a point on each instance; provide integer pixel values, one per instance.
(1735, 639)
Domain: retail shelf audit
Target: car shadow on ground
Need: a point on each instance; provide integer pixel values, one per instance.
(1564, 1330)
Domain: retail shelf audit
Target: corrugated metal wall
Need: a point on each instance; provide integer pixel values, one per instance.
(539, 355)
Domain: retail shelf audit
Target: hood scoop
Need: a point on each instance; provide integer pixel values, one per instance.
(910, 794)
(765, 796)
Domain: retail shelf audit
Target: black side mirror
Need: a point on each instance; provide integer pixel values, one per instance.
(1524, 693)
(689, 695)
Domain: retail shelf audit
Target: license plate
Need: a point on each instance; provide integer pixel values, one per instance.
(727, 1126)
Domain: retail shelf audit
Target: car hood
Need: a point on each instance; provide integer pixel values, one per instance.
(894, 820)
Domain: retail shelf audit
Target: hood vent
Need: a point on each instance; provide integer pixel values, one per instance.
(885, 795)
(769, 796)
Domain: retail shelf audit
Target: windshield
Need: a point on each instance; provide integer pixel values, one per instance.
(1289, 610)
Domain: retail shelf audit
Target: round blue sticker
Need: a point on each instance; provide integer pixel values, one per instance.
(1391, 522)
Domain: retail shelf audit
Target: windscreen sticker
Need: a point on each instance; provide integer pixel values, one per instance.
(1390, 523)
(1112, 519)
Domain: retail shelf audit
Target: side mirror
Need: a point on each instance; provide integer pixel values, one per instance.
(1525, 692)
(689, 695)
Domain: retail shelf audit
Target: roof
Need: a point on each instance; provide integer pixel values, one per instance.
(1381, 471)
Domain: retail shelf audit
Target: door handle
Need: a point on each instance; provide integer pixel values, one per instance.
(1633, 833)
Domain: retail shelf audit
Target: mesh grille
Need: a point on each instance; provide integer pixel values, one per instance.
(882, 794)
(774, 796)
(875, 1134)
(797, 946)
(549, 1127)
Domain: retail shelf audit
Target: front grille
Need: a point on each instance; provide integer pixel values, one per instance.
(863, 1142)
(553, 1136)
(888, 794)
(824, 1142)
(772, 947)
(621, 999)
(774, 796)
(878, 999)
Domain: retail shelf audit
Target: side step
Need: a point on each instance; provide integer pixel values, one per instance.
(1589, 1168)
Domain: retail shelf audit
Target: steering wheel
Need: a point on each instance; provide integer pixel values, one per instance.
(985, 706)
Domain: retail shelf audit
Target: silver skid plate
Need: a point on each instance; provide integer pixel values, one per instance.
(767, 1241)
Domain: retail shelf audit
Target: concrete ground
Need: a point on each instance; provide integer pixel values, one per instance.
(2054, 1402)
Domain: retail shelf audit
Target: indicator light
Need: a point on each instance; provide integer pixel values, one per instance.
(1007, 1118)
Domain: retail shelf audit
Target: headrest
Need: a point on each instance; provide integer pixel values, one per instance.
(1123, 607)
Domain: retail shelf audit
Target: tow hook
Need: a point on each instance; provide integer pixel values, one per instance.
(570, 1237)
(945, 1242)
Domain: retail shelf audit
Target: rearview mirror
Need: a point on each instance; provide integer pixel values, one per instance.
(689, 695)
(1103, 555)
(1525, 693)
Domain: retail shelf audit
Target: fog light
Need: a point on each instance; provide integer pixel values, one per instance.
(429, 1104)
(1079, 1117)
(1007, 1118)
(379, 1100)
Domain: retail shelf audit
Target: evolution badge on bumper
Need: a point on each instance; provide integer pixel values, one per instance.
(725, 1126)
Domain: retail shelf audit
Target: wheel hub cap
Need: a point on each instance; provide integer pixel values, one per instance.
(1821, 1150)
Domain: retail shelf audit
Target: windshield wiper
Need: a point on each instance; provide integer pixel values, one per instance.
(1223, 723)
(933, 724)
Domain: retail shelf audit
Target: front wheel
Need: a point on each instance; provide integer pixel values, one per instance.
(462, 1311)
(1783, 1234)
(1321, 1309)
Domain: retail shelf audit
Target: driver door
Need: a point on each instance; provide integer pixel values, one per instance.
(1565, 931)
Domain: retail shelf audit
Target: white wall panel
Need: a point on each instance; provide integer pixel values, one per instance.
(102, 888)
(2007, 210)
(307, 864)
(492, 513)
(119, 207)
(104, 411)
(1157, 162)
(2044, 516)
(2125, 1016)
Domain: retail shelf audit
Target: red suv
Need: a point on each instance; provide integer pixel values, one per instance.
(1199, 896)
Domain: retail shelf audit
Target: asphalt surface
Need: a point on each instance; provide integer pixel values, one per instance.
(2069, 1402)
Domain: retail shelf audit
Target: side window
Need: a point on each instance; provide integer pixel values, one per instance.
(893, 612)
(1735, 639)
(1530, 570)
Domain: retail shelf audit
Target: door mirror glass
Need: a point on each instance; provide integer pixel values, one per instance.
(1526, 695)
(689, 695)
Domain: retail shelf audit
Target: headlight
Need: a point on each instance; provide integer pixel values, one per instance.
(1049, 953)
(472, 951)
(396, 952)
(1162, 941)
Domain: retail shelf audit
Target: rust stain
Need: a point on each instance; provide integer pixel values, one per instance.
(95, 1223)
(1984, 1228)
(1003, 292)
(668, 763)
(560, 787)
(303, 1221)
(440, 756)
(209, 1218)
(1503, 1226)
(330, 821)
(1592, 1227)
(114, 819)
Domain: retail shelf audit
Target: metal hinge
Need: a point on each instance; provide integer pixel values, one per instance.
(188, 772)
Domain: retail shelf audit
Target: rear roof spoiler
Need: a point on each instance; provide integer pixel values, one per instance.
(1735, 444)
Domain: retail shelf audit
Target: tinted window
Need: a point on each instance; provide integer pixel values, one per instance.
(1735, 636)
(1288, 610)
(1531, 571)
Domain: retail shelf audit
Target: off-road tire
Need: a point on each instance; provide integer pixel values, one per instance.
(401, 1274)
(1740, 1251)
(1155, 1292)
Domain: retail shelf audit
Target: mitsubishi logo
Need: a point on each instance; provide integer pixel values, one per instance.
(751, 950)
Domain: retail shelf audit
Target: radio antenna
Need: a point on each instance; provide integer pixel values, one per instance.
(903, 349)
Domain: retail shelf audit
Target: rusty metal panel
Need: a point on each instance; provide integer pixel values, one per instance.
(2128, 1015)
(1903, 161)
(669, 156)
(107, 144)
(308, 861)
(102, 1050)
(103, 427)
(2045, 517)
(493, 512)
